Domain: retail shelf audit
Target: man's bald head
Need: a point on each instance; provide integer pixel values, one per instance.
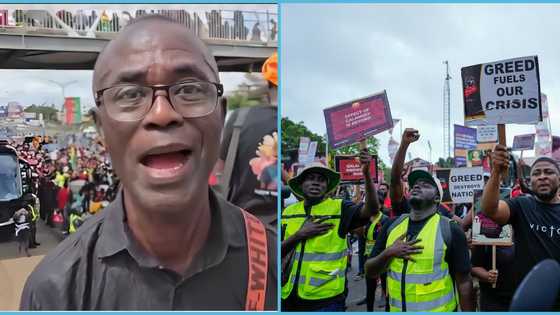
(157, 31)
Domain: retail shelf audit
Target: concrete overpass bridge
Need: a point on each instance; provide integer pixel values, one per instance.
(63, 40)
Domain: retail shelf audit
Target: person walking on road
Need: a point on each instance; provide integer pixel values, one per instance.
(22, 219)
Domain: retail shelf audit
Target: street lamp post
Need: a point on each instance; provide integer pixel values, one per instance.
(63, 88)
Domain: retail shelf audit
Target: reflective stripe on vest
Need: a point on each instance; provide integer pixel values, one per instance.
(323, 258)
(316, 282)
(34, 214)
(370, 240)
(422, 306)
(427, 283)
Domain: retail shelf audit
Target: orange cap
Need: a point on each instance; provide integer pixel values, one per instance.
(270, 69)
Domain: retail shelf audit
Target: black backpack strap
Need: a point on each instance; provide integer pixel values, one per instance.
(229, 163)
(445, 227)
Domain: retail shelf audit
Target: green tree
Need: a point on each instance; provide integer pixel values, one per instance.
(252, 92)
(49, 113)
(446, 163)
(292, 131)
(386, 173)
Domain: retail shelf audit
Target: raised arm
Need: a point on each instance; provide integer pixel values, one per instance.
(371, 205)
(396, 190)
(494, 208)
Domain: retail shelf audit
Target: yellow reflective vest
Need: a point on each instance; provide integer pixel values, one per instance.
(73, 219)
(319, 263)
(34, 213)
(424, 285)
(370, 240)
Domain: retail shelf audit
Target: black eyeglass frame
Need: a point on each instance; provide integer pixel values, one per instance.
(166, 87)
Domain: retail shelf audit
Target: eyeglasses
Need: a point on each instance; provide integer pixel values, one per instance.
(132, 102)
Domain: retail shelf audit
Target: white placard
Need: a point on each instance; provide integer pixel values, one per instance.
(463, 181)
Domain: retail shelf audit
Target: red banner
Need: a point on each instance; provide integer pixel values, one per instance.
(351, 171)
(356, 120)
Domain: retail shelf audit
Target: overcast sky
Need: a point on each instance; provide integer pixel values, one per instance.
(37, 87)
(332, 53)
(33, 86)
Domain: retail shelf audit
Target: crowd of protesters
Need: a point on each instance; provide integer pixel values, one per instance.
(71, 182)
(418, 250)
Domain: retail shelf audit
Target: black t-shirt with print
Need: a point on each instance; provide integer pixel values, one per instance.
(536, 232)
(260, 121)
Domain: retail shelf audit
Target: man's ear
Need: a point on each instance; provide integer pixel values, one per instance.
(94, 112)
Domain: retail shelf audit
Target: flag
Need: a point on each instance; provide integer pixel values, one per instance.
(392, 148)
(395, 121)
(72, 111)
(429, 145)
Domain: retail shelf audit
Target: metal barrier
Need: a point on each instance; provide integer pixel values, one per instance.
(257, 27)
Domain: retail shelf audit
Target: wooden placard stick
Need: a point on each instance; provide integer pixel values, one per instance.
(494, 262)
(363, 144)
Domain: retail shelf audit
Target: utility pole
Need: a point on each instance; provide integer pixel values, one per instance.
(446, 113)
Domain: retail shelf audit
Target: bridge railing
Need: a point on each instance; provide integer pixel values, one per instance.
(256, 27)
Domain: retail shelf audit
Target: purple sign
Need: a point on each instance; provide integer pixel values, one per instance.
(524, 142)
(556, 147)
(465, 138)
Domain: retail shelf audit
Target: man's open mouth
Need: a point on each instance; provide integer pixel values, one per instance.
(167, 157)
(171, 160)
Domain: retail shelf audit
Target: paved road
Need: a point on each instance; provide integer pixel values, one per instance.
(15, 268)
(357, 290)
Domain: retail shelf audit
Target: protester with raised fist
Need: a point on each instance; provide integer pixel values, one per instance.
(534, 217)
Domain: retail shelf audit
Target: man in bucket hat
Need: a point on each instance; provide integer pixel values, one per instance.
(424, 253)
(314, 231)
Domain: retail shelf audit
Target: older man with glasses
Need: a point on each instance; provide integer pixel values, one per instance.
(168, 241)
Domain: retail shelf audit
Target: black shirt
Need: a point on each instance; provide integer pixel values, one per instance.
(102, 267)
(350, 219)
(505, 264)
(254, 173)
(404, 207)
(457, 255)
(536, 227)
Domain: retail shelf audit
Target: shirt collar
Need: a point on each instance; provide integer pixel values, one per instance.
(226, 230)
